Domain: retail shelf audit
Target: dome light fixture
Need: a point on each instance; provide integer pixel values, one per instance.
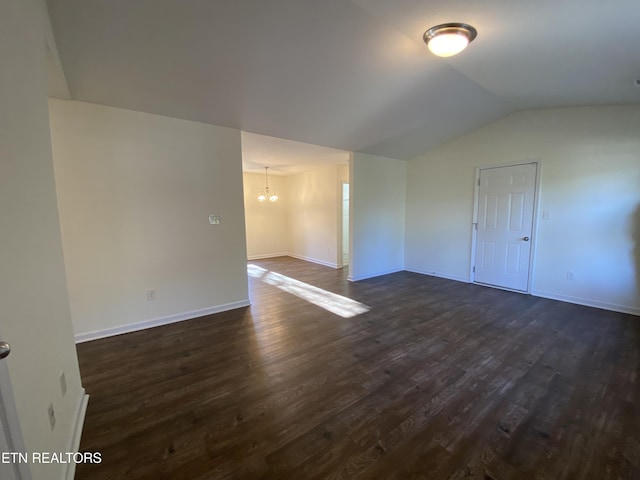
(267, 194)
(449, 39)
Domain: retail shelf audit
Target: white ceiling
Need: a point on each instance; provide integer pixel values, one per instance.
(286, 157)
(352, 75)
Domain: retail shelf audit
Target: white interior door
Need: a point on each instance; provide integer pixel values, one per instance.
(506, 199)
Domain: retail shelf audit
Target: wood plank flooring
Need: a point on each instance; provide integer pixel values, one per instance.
(438, 380)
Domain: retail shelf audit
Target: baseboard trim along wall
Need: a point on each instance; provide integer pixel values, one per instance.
(268, 255)
(69, 470)
(156, 322)
(357, 278)
(314, 260)
(587, 303)
(293, 255)
(551, 296)
(457, 278)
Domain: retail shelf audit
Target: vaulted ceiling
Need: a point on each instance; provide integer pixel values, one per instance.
(348, 74)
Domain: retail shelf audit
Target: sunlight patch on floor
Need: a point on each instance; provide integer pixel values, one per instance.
(332, 302)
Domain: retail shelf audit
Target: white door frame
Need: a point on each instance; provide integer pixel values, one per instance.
(10, 425)
(534, 223)
(341, 222)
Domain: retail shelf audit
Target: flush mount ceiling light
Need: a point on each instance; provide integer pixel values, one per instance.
(449, 39)
(267, 194)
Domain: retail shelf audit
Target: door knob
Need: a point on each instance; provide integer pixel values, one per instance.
(526, 239)
(5, 350)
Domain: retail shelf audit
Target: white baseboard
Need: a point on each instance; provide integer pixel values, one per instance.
(587, 302)
(268, 255)
(314, 260)
(457, 278)
(539, 293)
(156, 322)
(357, 278)
(299, 257)
(69, 469)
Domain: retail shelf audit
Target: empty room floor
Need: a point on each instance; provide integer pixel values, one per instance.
(403, 376)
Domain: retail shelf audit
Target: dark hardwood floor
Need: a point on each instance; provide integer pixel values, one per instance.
(438, 380)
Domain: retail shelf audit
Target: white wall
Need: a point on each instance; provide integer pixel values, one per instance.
(35, 316)
(590, 186)
(314, 215)
(267, 224)
(135, 192)
(378, 198)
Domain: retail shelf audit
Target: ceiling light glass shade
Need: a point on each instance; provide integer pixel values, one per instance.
(267, 194)
(449, 39)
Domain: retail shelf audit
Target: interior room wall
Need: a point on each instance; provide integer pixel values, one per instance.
(378, 198)
(590, 189)
(267, 224)
(35, 316)
(313, 203)
(135, 192)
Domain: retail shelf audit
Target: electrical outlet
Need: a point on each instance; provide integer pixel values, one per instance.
(63, 384)
(569, 275)
(546, 214)
(52, 416)
(215, 219)
(151, 295)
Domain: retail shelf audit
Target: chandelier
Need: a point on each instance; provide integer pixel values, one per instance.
(267, 194)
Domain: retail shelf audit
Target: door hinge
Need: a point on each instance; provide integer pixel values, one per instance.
(474, 269)
(478, 182)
